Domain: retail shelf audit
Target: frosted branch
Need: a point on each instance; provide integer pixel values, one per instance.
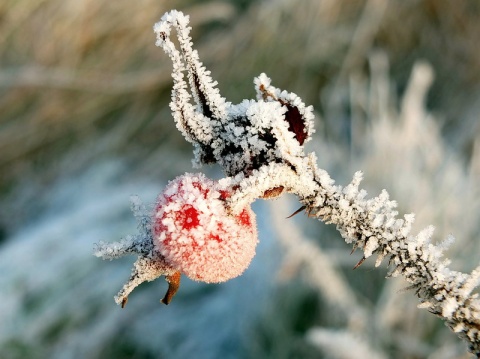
(260, 146)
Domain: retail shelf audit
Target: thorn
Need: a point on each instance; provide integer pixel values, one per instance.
(297, 211)
(173, 285)
(124, 302)
(359, 263)
(355, 246)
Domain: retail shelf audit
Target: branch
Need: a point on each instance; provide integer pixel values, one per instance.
(260, 146)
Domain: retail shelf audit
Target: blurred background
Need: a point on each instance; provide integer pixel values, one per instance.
(85, 123)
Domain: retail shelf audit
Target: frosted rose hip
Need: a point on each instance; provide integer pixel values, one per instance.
(196, 235)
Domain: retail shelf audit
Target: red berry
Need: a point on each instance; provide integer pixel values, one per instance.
(195, 233)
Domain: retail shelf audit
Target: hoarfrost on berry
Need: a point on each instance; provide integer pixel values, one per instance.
(195, 234)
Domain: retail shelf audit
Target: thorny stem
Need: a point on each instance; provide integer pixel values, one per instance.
(438, 288)
(371, 225)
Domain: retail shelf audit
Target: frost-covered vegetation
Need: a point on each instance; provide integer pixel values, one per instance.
(303, 300)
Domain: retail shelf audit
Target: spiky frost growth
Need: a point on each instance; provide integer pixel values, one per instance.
(150, 263)
(243, 137)
(259, 144)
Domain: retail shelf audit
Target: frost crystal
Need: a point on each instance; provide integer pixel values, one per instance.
(206, 229)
